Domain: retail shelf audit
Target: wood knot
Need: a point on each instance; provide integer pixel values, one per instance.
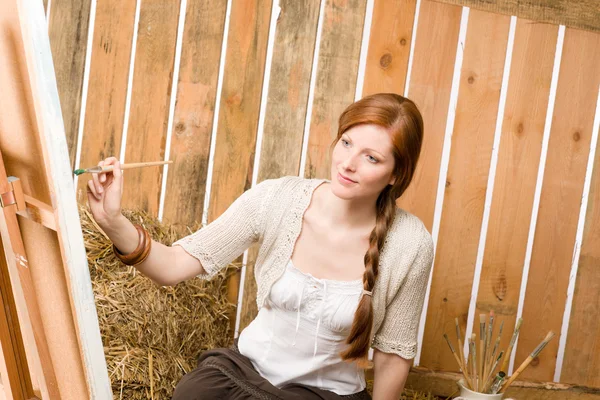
(500, 287)
(447, 183)
(576, 136)
(471, 79)
(520, 128)
(445, 299)
(179, 128)
(403, 42)
(535, 362)
(385, 60)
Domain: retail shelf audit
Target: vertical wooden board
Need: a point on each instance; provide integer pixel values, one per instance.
(50, 282)
(339, 54)
(468, 170)
(560, 201)
(107, 87)
(68, 30)
(389, 46)
(286, 110)
(194, 111)
(239, 109)
(582, 358)
(150, 97)
(516, 174)
(430, 85)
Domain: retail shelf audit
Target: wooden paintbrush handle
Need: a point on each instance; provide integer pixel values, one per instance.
(516, 374)
(137, 165)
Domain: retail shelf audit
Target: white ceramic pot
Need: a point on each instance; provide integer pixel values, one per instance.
(468, 394)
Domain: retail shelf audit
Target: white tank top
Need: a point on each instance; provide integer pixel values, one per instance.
(299, 333)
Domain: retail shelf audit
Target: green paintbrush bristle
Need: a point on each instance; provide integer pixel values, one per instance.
(79, 171)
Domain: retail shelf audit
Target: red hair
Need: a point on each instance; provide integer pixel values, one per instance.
(404, 123)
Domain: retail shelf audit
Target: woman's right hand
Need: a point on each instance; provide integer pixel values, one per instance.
(105, 191)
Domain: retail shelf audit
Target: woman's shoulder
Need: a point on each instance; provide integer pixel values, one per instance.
(409, 227)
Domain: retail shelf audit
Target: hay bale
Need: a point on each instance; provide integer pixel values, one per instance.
(152, 335)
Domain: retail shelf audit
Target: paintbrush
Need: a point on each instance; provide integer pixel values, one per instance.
(473, 355)
(528, 360)
(486, 349)
(493, 355)
(489, 377)
(460, 365)
(495, 386)
(511, 344)
(460, 350)
(98, 169)
(497, 344)
(481, 347)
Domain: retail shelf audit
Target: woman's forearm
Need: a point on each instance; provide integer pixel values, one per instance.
(390, 372)
(165, 265)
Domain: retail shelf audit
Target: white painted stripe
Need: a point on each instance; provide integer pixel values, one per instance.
(311, 90)
(464, 20)
(136, 25)
(364, 49)
(540, 180)
(577, 248)
(491, 181)
(275, 11)
(85, 86)
(174, 84)
(48, 12)
(213, 140)
(413, 40)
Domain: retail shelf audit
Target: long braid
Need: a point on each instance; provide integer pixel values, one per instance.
(404, 123)
(360, 333)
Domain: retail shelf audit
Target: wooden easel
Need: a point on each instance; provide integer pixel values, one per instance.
(19, 311)
(50, 344)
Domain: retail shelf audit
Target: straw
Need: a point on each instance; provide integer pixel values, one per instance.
(152, 335)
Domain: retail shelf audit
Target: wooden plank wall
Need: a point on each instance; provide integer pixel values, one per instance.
(508, 246)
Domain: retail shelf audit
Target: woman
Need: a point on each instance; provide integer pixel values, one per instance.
(340, 267)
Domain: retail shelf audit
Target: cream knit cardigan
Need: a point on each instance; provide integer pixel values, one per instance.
(271, 213)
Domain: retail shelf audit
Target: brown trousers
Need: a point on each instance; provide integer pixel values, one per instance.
(227, 374)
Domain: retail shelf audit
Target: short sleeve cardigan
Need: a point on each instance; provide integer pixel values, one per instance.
(271, 214)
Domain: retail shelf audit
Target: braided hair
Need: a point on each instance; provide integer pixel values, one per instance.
(404, 123)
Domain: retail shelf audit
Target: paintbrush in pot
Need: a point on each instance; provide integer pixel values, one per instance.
(460, 351)
(528, 360)
(456, 357)
(481, 348)
(511, 344)
(98, 169)
(473, 354)
(486, 344)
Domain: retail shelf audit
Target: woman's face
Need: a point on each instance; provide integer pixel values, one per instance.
(364, 156)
